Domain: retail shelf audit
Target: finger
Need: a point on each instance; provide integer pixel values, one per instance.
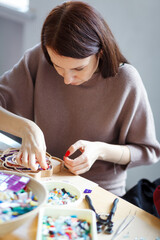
(77, 161)
(24, 159)
(32, 162)
(41, 158)
(74, 147)
(82, 149)
(79, 169)
(19, 157)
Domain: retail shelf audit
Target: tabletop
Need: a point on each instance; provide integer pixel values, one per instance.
(143, 227)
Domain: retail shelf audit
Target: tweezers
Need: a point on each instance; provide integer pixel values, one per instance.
(126, 221)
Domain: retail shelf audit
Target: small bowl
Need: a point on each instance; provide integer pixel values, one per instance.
(85, 214)
(39, 190)
(73, 190)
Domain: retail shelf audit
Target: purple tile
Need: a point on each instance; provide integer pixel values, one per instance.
(87, 191)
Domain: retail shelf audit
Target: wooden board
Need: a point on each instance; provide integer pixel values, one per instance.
(8, 162)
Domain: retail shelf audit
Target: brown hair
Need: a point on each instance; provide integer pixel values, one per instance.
(75, 29)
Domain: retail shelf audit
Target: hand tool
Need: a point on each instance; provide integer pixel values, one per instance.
(103, 221)
(109, 222)
(100, 221)
(126, 221)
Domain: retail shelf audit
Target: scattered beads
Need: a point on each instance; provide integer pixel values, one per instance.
(14, 203)
(60, 197)
(65, 227)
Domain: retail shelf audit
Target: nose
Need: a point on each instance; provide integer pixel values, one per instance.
(68, 77)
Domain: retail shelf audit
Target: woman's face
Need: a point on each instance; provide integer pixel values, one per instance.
(74, 71)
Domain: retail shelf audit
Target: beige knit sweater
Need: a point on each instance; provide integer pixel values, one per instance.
(114, 110)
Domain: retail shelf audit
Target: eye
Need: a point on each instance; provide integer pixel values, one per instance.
(56, 66)
(79, 69)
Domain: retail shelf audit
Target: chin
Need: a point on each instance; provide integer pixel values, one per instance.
(77, 83)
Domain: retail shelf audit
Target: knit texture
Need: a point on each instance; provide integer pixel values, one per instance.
(114, 110)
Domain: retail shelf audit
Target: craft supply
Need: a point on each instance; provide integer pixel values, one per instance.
(126, 221)
(36, 192)
(74, 218)
(70, 196)
(87, 191)
(109, 223)
(59, 196)
(8, 162)
(100, 221)
(16, 198)
(12, 182)
(65, 227)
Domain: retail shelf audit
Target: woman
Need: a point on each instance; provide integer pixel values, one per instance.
(77, 96)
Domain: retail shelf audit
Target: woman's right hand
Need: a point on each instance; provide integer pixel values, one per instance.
(33, 148)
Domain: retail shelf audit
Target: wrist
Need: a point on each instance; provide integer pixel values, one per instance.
(118, 154)
(102, 150)
(25, 126)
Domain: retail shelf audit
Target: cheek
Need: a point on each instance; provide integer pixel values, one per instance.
(79, 75)
(87, 74)
(59, 71)
(84, 75)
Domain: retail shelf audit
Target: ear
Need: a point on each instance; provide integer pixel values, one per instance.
(100, 53)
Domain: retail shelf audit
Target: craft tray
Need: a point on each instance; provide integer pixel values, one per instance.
(72, 189)
(55, 212)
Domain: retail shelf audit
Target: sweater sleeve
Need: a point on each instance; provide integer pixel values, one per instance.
(17, 85)
(138, 123)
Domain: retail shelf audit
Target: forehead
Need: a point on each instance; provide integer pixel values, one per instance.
(67, 62)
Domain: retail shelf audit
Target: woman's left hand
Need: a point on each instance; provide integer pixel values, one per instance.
(82, 163)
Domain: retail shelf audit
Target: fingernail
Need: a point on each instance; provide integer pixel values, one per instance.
(67, 153)
(46, 167)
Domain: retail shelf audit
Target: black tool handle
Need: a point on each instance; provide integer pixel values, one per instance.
(99, 223)
(116, 200)
(112, 212)
(89, 201)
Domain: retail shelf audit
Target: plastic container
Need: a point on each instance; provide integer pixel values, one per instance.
(39, 190)
(73, 190)
(85, 214)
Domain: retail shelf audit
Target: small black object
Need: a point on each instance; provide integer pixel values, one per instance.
(99, 227)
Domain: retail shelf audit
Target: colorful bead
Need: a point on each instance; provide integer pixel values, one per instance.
(60, 197)
(65, 227)
(15, 203)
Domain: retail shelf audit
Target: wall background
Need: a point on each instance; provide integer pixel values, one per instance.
(135, 25)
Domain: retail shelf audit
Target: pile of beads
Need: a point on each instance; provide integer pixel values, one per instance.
(59, 196)
(16, 198)
(65, 227)
(13, 204)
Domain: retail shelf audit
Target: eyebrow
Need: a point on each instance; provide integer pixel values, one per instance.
(80, 67)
